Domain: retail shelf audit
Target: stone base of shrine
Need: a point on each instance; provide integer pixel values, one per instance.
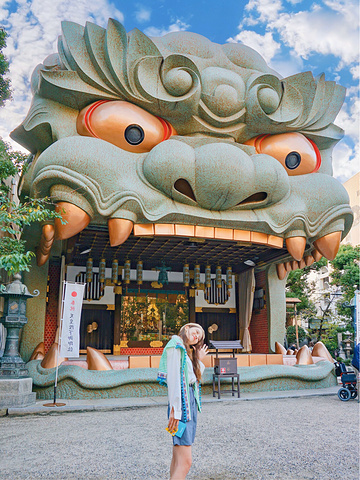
(75, 382)
(16, 392)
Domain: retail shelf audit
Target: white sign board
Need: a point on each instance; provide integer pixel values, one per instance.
(72, 306)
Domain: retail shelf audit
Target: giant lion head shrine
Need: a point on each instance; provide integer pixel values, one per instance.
(192, 178)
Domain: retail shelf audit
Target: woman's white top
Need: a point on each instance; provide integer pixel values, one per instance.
(173, 378)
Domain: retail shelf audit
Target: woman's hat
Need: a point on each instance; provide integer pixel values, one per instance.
(189, 325)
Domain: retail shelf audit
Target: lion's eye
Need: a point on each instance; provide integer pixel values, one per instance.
(124, 125)
(294, 151)
(134, 134)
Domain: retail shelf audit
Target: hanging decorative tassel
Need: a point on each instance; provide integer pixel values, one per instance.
(102, 267)
(89, 272)
(127, 272)
(197, 276)
(115, 271)
(228, 280)
(218, 277)
(186, 275)
(139, 273)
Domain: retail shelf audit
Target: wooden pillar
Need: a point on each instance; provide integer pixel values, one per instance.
(117, 322)
(191, 300)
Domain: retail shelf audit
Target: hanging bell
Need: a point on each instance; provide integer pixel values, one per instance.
(115, 272)
(127, 272)
(186, 275)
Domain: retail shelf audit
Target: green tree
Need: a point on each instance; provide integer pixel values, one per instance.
(297, 286)
(14, 216)
(5, 90)
(346, 275)
(291, 334)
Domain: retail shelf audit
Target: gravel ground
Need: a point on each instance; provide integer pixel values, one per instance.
(294, 439)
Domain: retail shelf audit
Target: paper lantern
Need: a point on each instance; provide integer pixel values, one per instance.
(102, 267)
(229, 278)
(218, 277)
(186, 275)
(139, 272)
(89, 270)
(127, 272)
(197, 276)
(208, 276)
(115, 271)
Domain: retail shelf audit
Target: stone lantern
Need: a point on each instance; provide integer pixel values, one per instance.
(15, 383)
(13, 319)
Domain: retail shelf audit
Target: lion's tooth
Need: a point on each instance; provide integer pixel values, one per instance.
(296, 247)
(281, 271)
(328, 245)
(303, 356)
(294, 265)
(96, 360)
(287, 266)
(309, 260)
(119, 230)
(302, 264)
(46, 241)
(48, 232)
(75, 217)
(280, 349)
(316, 255)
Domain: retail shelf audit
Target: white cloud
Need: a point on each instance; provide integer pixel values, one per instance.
(178, 26)
(33, 29)
(355, 72)
(263, 44)
(345, 161)
(321, 32)
(143, 14)
(327, 28)
(267, 9)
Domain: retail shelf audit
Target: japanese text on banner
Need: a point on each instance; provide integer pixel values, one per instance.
(72, 307)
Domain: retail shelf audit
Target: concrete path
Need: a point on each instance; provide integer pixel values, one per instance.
(141, 402)
(305, 435)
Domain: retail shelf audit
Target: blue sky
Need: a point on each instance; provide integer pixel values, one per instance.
(292, 36)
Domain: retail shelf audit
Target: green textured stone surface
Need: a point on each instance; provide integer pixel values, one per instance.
(76, 382)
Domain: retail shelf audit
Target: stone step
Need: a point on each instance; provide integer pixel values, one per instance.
(24, 400)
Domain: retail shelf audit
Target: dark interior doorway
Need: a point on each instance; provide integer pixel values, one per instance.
(97, 329)
(226, 322)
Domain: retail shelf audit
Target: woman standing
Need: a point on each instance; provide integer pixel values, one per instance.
(180, 370)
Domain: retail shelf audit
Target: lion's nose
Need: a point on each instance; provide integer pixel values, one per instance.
(215, 176)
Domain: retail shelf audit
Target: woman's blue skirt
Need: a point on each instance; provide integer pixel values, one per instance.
(188, 437)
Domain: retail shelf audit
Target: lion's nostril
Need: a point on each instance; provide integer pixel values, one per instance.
(184, 187)
(257, 197)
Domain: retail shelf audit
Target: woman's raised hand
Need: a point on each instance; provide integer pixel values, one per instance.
(203, 352)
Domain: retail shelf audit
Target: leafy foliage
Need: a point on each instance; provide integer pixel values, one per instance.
(15, 216)
(5, 90)
(346, 274)
(291, 334)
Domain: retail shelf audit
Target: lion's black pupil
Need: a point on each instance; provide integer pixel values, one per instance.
(292, 160)
(134, 134)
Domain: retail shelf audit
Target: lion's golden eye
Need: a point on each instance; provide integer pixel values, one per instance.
(124, 125)
(294, 151)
